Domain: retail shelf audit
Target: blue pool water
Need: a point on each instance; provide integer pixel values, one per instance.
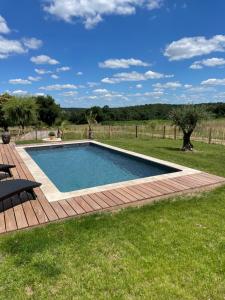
(75, 167)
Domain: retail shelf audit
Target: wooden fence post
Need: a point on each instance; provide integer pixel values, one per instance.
(164, 132)
(36, 133)
(210, 135)
(136, 131)
(175, 132)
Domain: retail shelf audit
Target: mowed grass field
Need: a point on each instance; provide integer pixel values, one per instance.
(174, 249)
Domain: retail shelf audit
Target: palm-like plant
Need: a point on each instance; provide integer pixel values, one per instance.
(91, 120)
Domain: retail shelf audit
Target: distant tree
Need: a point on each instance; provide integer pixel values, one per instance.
(91, 120)
(4, 98)
(20, 112)
(186, 118)
(48, 110)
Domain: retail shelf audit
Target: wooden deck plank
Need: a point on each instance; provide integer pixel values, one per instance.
(59, 210)
(79, 210)
(35, 204)
(10, 220)
(67, 208)
(91, 202)
(138, 189)
(113, 197)
(106, 199)
(120, 196)
(149, 190)
(83, 204)
(28, 210)
(128, 196)
(20, 217)
(135, 195)
(100, 202)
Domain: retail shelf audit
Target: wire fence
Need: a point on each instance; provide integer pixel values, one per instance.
(203, 132)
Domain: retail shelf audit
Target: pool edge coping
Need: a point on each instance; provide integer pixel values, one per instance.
(52, 193)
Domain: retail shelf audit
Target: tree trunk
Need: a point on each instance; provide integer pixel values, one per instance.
(187, 145)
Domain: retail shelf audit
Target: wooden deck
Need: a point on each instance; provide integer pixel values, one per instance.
(16, 214)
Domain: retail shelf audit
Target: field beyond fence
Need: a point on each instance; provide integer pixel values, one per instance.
(212, 131)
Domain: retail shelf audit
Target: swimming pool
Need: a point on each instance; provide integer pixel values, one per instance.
(81, 166)
(70, 169)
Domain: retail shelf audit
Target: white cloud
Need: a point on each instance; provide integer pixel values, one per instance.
(35, 79)
(154, 4)
(92, 84)
(19, 92)
(79, 73)
(42, 71)
(19, 81)
(92, 12)
(139, 86)
(210, 62)
(194, 46)
(39, 94)
(122, 63)
(187, 86)
(132, 76)
(69, 94)
(213, 81)
(168, 85)
(63, 69)
(44, 60)
(32, 43)
(8, 47)
(4, 29)
(58, 87)
(55, 76)
(100, 91)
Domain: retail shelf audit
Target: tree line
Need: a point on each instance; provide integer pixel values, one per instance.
(43, 111)
(106, 115)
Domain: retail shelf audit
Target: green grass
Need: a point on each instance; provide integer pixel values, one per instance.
(170, 250)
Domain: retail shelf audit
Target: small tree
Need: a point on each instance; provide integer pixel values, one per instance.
(186, 118)
(48, 111)
(91, 120)
(4, 98)
(21, 112)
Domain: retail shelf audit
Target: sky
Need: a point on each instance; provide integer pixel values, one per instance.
(113, 52)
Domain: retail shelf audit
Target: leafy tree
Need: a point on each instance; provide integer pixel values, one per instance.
(186, 118)
(21, 112)
(4, 98)
(48, 110)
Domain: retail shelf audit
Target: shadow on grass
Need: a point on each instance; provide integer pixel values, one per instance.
(47, 269)
(176, 149)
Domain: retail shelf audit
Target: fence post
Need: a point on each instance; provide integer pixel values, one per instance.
(109, 131)
(136, 128)
(164, 132)
(175, 132)
(36, 133)
(210, 135)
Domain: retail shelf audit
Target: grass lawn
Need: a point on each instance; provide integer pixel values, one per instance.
(170, 250)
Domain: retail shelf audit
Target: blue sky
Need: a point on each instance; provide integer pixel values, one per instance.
(114, 52)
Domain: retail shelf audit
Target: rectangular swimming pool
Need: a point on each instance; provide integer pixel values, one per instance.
(78, 166)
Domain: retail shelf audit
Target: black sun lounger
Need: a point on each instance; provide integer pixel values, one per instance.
(6, 169)
(14, 187)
